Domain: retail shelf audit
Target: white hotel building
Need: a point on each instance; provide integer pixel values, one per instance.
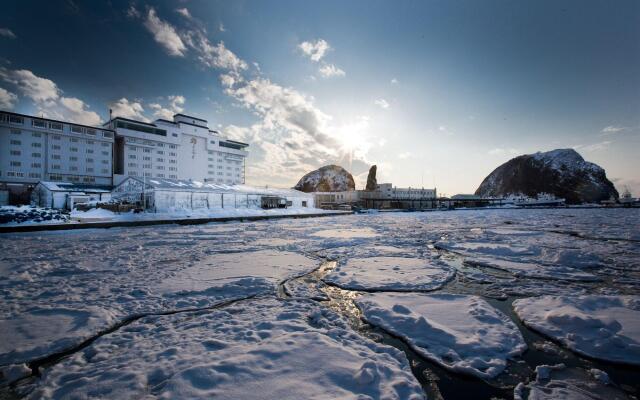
(34, 149)
(184, 148)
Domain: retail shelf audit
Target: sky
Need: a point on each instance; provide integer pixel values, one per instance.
(435, 93)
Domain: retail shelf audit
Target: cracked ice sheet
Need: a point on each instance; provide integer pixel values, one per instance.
(390, 273)
(59, 289)
(260, 349)
(462, 333)
(602, 327)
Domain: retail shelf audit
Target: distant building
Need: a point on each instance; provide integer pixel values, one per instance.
(34, 149)
(385, 196)
(388, 191)
(184, 148)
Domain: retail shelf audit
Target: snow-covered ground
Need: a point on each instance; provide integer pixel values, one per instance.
(170, 286)
(27, 215)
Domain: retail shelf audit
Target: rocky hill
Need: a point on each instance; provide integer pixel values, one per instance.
(562, 172)
(330, 178)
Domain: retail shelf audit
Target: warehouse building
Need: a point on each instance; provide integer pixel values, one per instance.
(67, 195)
(170, 195)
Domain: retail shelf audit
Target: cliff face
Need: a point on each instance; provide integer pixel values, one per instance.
(330, 178)
(562, 172)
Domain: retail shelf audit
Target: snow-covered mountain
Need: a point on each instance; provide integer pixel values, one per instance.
(562, 172)
(330, 178)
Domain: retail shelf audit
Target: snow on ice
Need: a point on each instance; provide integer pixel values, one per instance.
(259, 349)
(603, 327)
(462, 333)
(390, 273)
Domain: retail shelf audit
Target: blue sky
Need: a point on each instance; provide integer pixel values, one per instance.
(433, 92)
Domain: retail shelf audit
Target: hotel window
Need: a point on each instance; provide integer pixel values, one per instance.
(105, 153)
(148, 174)
(15, 152)
(36, 165)
(16, 142)
(55, 166)
(132, 156)
(107, 134)
(55, 156)
(160, 175)
(15, 163)
(56, 126)
(14, 119)
(90, 131)
(147, 150)
(15, 131)
(55, 137)
(172, 146)
(90, 142)
(172, 161)
(89, 151)
(160, 167)
(132, 165)
(89, 160)
(133, 173)
(36, 155)
(73, 158)
(38, 123)
(104, 171)
(160, 145)
(105, 161)
(160, 159)
(74, 149)
(172, 154)
(160, 152)
(76, 129)
(34, 175)
(73, 168)
(89, 169)
(36, 144)
(173, 176)
(55, 147)
(74, 140)
(36, 134)
(174, 134)
(106, 144)
(146, 166)
(132, 148)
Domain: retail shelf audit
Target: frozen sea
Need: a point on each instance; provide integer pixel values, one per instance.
(512, 304)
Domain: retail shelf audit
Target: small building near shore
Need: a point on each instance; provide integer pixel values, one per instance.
(66, 195)
(167, 195)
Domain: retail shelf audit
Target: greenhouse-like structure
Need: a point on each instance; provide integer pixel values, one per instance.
(166, 195)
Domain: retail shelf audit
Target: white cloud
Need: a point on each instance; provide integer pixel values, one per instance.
(40, 90)
(7, 99)
(128, 109)
(330, 70)
(382, 103)
(174, 106)
(611, 130)
(315, 50)
(405, 155)
(165, 34)
(184, 12)
(6, 32)
(76, 110)
(593, 147)
(132, 12)
(221, 27)
(47, 97)
(499, 151)
(394, 81)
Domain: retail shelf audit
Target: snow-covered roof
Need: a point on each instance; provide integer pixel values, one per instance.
(71, 187)
(194, 185)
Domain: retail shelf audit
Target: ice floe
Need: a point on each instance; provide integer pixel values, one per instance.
(262, 349)
(561, 382)
(390, 273)
(602, 327)
(462, 333)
